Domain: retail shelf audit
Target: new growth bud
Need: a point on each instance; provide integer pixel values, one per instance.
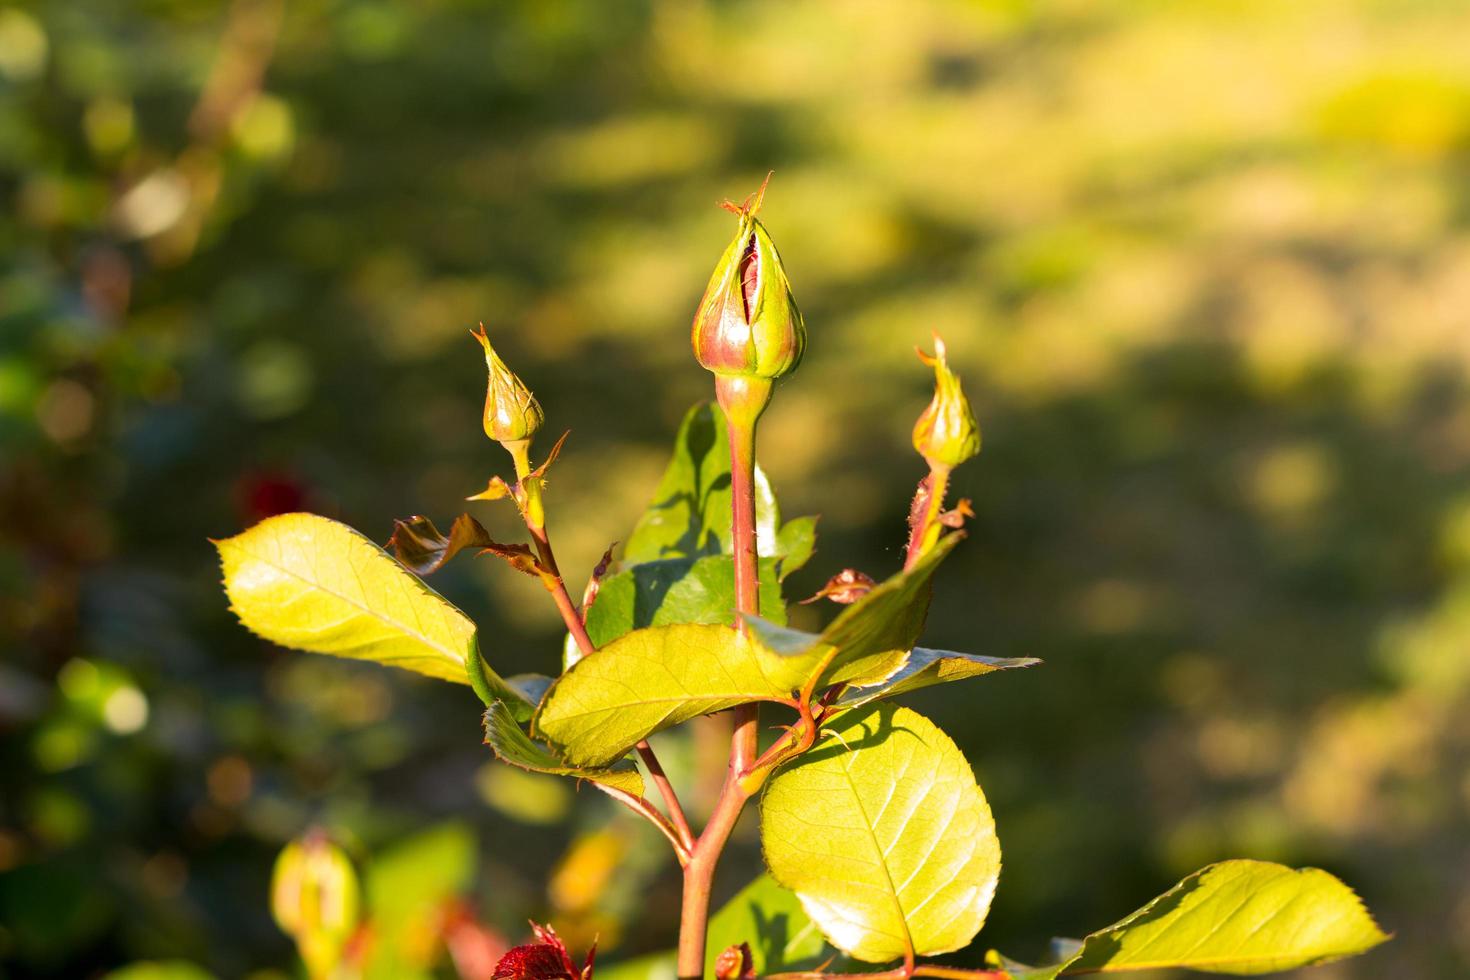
(511, 411)
(946, 434)
(747, 324)
(314, 899)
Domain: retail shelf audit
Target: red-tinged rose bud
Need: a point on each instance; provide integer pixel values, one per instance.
(747, 324)
(946, 434)
(512, 413)
(314, 898)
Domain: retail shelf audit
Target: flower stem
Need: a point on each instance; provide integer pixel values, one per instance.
(924, 517)
(742, 400)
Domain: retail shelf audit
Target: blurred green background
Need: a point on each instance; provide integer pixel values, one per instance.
(1205, 269)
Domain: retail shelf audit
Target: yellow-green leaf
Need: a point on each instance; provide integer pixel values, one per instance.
(925, 668)
(514, 746)
(650, 679)
(871, 638)
(1236, 917)
(883, 833)
(770, 918)
(307, 582)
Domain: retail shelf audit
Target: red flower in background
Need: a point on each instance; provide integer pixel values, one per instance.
(545, 959)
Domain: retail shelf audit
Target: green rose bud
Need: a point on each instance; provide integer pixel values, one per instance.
(946, 434)
(314, 899)
(511, 411)
(748, 324)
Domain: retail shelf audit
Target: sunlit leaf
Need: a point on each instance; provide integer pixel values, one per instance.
(504, 735)
(770, 918)
(307, 582)
(873, 636)
(654, 678)
(883, 833)
(654, 966)
(925, 668)
(1236, 917)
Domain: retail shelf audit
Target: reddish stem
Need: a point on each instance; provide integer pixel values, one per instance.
(683, 836)
(742, 400)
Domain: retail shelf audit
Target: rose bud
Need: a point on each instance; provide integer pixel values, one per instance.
(511, 411)
(314, 899)
(748, 324)
(946, 434)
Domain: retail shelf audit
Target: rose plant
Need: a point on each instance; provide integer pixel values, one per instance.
(879, 843)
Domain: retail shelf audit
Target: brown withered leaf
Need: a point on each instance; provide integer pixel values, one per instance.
(422, 549)
(956, 517)
(594, 583)
(844, 588)
(519, 556)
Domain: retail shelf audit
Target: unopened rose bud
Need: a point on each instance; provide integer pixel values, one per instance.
(314, 899)
(747, 324)
(946, 434)
(511, 411)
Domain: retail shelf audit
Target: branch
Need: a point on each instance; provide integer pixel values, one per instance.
(679, 831)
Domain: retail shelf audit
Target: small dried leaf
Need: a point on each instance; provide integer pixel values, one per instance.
(735, 963)
(956, 517)
(540, 471)
(519, 556)
(419, 546)
(594, 583)
(844, 588)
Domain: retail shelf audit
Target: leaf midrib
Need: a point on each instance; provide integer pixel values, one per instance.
(908, 938)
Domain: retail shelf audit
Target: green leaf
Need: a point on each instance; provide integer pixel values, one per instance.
(1237, 917)
(925, 668)
(675, 566)
(512, 745)
(677, 590)
(311, 583)
(521, 697)
(690, 513)
(407, 887)
(781, 936)
(873, 636)
(885, 836)
(654, 966)
(795, 544)
(653, 678)
(160, 970)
